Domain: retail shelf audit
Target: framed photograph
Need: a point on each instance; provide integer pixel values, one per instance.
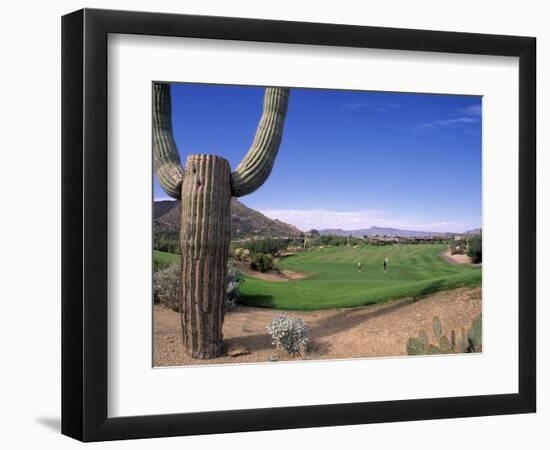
(273, 224)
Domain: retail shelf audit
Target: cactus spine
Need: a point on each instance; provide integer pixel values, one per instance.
(205, 189)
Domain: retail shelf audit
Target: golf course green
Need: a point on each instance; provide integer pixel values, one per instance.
(335, 281)
(164, 258)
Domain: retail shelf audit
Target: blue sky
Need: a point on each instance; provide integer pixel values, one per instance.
(348, 159)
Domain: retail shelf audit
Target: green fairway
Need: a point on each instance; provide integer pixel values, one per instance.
(413, 271)
(164, 258)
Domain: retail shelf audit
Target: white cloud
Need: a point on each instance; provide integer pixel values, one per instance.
(462, 117)
(307, 219)
(473, 110)
(457, 121)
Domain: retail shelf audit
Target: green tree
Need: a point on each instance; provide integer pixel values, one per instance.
(474, 249)
(261, 262)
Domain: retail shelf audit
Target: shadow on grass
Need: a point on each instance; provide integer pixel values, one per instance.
(258, 301)
(436, 286)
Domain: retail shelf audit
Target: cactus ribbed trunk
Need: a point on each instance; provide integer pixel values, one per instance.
(205, 237)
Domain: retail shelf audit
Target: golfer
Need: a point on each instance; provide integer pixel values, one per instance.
(359, 266)
(386, 265)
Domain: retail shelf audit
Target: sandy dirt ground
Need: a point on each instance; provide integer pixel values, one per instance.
(456, 259)
(367, 331)
(272, 275)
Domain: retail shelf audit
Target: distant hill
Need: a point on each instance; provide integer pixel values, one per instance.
(474, 231)
(380, 231)
(245, 222)
(160, 208)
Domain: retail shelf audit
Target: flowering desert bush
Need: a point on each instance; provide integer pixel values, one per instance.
(241, 254)
(290, 334)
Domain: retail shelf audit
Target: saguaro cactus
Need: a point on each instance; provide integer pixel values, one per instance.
(205, 188)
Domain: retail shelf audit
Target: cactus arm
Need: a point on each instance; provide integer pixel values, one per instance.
(256, 166)
(166, 159)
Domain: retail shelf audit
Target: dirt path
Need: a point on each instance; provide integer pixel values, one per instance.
(378, 330)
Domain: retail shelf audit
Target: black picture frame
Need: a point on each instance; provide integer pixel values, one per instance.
(84, 224)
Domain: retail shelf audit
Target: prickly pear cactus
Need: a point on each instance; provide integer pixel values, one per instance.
(468, 344)
(436, 324)
(453, 340)
(445, 345)
(423, 336)
(463, 342)
(415, 346)
(433, 350)
(475, 336)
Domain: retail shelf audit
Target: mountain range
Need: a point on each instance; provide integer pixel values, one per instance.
(390, 232)
(245, 222)
(248, 223)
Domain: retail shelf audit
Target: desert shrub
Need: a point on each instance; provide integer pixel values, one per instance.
(268, 245)
(241, 254)
(313, 242)
(337, 241)
(159, 265)
(474, 249)
(167, 287)
(293, 248)
(333, 240)
(236, 253)
(166, 242)
(234, 280)
(261, 262)
(458, 246)
(290, 334)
